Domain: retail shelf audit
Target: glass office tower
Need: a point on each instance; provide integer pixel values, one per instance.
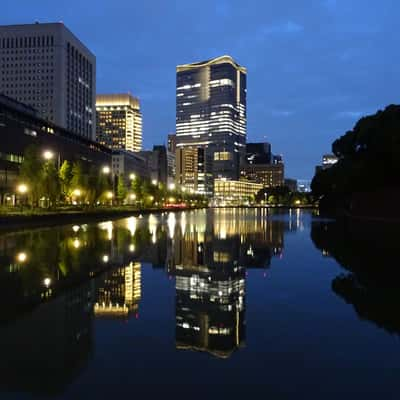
(211, 114)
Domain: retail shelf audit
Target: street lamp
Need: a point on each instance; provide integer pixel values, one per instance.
(133, 196)
(48, 155)
(47, 282)
(22, 188)
(154, 182)
(132, 177)
(171, 186)
(109, 195)
(106, 170)
(21, 257)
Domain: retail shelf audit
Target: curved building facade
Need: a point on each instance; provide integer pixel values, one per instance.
(211, 115)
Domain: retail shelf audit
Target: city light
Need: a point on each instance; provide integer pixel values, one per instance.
(21, 257)
(132, 177)
(22, 188)
(154, 182)
(171, 186)
(48, 155)
(131, 248)
(106, 258)
(47, 282)
(133, 196)
(151, 198)
(75, 228)
(106, 170)
(77, 192)
(109, 195)
(76, 243)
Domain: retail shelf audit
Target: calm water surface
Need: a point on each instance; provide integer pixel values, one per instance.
(215, 301)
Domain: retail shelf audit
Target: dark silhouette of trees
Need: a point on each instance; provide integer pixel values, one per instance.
(368, 157)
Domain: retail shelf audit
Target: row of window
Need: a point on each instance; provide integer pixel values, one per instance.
(26, 42)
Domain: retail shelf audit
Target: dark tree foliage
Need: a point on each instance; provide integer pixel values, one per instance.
(368, 157)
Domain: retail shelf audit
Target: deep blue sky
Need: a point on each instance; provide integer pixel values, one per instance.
(314, 66)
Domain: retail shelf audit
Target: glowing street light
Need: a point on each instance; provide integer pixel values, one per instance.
(151, 198)
(106, 170)
(76, 228)
(106, 258)
(22, 188)
(171, 186)
(21, 257)
(132, 196)
(77, 192)
(76, 243)
(154, 182)
(132, 177)
(48, 155)
(47, 282)
(109, 195)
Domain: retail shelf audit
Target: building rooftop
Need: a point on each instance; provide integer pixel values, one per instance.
(214, 61)
(117, 99)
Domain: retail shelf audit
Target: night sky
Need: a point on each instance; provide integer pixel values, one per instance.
(314, 67)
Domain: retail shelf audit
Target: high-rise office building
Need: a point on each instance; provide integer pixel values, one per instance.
(258, 153)
(119, 121)
(211, 112)
(45, 66)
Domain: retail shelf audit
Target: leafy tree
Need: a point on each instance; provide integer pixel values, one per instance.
(78, 180)
(121, 189)
(66, 175)
(50, 183)
(30, 173)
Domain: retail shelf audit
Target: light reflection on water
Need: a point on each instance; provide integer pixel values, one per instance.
(226, 284)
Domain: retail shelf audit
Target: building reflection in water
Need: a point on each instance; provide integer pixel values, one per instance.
(119, 292)
(54, 280)
(209, 255)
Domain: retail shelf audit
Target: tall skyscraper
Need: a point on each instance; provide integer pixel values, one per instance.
(119, 121)
(211, 112)
(48, 68)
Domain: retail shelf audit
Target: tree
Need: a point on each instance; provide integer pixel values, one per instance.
(30, 173)
(66, 175)
(50, 186)
(78, 178)
(121, 189)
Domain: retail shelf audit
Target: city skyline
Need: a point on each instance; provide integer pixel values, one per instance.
(313, 71)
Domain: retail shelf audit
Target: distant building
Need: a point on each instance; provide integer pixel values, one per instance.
(277, 159)
(228, 192)
(211, 113)
(171, 145)
(50, 69)
(268, 175)
(126, 163)
(304, 185)
(258, 153)
(193, 166)
(119, 121)
(171, 158)
(291, 184)
(327, 161)
(156, 163)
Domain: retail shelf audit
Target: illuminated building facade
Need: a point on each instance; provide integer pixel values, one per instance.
(193, 169)
(228, 192)
(268, 175)
(48, 68)
(119, 121)
(211, 113)
(119, 293)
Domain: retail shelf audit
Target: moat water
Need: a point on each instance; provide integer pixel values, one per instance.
(207, 302)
